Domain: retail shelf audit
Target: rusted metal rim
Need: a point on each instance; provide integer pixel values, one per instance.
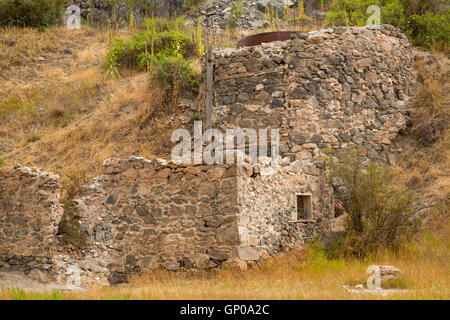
(266, 37)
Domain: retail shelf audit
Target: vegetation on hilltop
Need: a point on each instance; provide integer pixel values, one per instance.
(30, 13)
(425, 22)
(164, 49)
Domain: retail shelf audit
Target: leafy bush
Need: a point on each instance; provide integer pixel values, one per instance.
(236, 13)
(430, 30)
(424, 21)
(30, 13)
(162, 38)
(349, 13)
(168, 70)
(394, 13)
(380, 212)
(161, 49)
(174, 74)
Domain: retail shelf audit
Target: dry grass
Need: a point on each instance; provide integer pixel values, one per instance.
(427, 169)
(432, 99)
(29, 56)
(110, 128)
(80, 118)
(301, 274)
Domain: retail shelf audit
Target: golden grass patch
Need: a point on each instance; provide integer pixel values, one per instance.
(299, 274)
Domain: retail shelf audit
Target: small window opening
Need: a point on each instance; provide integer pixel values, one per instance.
(304, 207)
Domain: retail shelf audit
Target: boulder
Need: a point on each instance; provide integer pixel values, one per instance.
(235, 263)
(249, 253)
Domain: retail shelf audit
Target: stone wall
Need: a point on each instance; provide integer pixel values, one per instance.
(151, 214)
(267, 220)
(327, 89)
(29, 216)
(147, 214)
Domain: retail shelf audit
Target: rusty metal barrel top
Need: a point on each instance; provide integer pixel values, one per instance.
(266, 37)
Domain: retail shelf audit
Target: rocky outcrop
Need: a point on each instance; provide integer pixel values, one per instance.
(99, 11)
(254, 12)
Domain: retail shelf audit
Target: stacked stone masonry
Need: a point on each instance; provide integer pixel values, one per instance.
(327, 89)
(151, 214)
(29, 216)
(145, 214)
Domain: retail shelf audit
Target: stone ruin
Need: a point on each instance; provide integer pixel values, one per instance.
(145, 214)
(329, 89)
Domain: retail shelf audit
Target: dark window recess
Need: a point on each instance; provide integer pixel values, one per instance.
(304, 207)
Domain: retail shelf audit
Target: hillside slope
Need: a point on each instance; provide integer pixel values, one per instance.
(59, 112)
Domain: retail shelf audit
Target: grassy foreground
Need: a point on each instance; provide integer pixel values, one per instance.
(301, 274)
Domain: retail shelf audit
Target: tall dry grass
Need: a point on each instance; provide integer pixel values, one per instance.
(301, 274)
(80, 118)
(424, 168)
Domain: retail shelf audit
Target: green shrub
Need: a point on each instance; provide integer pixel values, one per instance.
(164, 38)
(425, 22)
(173, 74)
(430, 30)
(168, 70)
(116, 53)
(394, 13)
(236, 12)
(30, 13)
(349, 13)
(380, 212)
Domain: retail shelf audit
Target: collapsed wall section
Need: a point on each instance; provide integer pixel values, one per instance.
(328, 89)
(29, 216)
